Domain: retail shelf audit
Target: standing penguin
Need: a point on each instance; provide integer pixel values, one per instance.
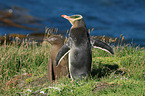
(79, 48)
(54, 72)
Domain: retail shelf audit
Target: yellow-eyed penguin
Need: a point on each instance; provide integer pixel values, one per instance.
(54, 72)
(78, 47)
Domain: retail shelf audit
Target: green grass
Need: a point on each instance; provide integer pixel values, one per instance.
(23, 71)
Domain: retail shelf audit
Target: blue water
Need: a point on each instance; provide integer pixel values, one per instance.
(107, 17)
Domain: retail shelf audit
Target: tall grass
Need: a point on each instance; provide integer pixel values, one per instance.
(23, 72)
(22, 59)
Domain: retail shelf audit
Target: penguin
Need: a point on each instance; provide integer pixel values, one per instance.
(53, 72)
(101, 45)
(79, 46)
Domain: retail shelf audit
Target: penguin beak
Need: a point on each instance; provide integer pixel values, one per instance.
(49, 39)
(66, 17)
(45, 39)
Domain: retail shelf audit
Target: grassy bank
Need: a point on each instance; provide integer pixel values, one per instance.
(23, 71)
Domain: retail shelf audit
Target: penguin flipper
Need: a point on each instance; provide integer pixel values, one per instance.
(101, 45)
(61, 54)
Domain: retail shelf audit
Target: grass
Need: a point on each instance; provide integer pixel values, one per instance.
(23, 71)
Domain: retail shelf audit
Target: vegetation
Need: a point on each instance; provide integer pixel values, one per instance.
(23, 71)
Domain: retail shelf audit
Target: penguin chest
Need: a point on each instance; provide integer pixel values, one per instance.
(79, 57)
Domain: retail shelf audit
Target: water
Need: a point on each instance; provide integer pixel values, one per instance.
(107, 17)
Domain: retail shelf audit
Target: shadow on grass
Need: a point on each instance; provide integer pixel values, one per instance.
(103, 70)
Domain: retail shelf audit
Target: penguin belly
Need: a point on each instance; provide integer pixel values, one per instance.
(80, 60)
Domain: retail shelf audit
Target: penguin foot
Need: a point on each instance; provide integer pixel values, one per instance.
(55, 81)
(71, 81)
(67, 75)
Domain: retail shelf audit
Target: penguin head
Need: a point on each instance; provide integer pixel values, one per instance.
(55, 40)
(75, 20)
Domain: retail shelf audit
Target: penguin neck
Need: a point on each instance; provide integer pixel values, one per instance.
(55, 49)
(74, 26)
(78, 35)
(78, 23)
(57, 44)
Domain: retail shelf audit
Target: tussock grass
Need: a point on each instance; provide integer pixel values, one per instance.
(23, 71)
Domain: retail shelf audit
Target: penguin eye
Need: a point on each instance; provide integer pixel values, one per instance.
(73, 17)
(53, 39)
